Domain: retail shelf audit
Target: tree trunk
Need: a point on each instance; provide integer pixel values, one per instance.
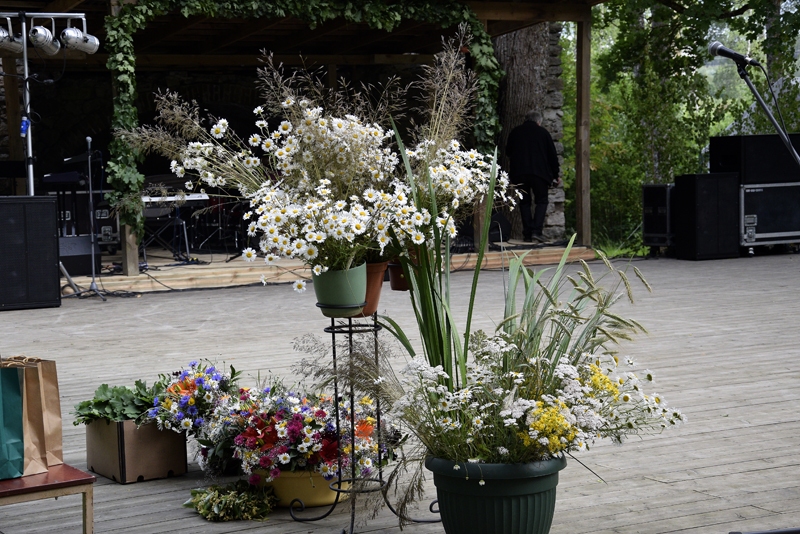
(531, 58)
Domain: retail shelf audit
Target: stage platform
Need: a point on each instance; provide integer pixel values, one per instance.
(204, 270)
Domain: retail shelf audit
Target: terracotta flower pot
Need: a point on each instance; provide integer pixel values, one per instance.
(375, 272)
(397, 280)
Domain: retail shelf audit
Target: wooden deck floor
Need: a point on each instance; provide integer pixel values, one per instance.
(723, 344)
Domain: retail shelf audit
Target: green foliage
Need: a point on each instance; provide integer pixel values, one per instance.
(378, 14)
(118, 403)
(233, 502)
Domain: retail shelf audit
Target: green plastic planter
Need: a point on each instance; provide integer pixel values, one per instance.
(341, 293)
(513, 499)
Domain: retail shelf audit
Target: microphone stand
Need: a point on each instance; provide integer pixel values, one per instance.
(93, 285)
(781, 133)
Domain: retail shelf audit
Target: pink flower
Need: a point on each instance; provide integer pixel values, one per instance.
(254, 479)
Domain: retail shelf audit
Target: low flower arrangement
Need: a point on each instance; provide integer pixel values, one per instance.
(190, 396)
(274, 429)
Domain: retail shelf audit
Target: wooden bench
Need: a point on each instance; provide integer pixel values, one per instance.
(59, 480)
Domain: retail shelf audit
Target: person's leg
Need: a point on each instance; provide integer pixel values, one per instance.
(525, 205)
(540, 187)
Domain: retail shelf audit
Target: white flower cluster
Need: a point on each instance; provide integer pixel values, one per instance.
(528, 411)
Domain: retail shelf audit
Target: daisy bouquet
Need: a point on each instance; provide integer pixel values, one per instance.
(276, 429)
(324, 206)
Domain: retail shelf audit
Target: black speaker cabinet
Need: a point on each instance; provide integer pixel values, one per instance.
(76, 255)
(29, 273)
(657, 208)
(760, 159)
(706, 216)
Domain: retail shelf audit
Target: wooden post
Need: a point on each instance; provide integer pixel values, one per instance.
(130, 251)
(582, 195)
(332, 74)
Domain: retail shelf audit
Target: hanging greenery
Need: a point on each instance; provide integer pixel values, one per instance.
(378, 14)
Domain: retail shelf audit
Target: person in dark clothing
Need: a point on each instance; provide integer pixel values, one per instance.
(534, 169)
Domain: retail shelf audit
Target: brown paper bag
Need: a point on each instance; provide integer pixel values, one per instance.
(32, 422)
(51, 405)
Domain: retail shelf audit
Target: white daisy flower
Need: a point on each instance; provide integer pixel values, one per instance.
(299, 286)
(249, 254)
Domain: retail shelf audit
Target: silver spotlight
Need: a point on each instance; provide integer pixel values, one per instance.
(8, 41)
(42, 38)
(80, 40)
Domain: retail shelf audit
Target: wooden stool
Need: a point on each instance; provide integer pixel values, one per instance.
(58, 481)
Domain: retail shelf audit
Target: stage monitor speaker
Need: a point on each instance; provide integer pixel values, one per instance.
(706, 216)
(76, 255)
(29, 273)
(657, 208)
(760, 159)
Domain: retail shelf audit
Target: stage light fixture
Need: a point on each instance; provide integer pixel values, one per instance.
(80, 40)
(8, 41)
(42, 38)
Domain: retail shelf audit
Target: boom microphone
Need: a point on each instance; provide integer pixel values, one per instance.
(717, 49)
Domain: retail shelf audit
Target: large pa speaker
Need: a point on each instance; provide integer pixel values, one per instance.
(759, 159)
(706, 216)
(29, 273)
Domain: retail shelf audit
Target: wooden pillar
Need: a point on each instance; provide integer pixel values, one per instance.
(583, 75)
(332, 76)
(129, 246)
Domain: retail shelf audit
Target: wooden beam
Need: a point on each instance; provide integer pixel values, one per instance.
(536, 12)
(222, 60)
(378, 36)
(242, 32)
(16, 148)
(146, 42)
(583, 203)
(61, 6)
(309, 35)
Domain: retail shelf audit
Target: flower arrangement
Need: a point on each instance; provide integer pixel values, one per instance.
(190, 397)
(274, 429)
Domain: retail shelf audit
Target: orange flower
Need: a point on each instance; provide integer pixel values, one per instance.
(364, 429)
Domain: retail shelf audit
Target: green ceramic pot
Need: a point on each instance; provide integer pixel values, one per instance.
(513, 499)
(341, 293)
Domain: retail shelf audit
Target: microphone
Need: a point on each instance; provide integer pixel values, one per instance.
(89, 143)
(717, 49)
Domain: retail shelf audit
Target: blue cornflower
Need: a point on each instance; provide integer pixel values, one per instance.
(211, 370)
(183, 374)
(191, 410)
(193, 363)
(207, 386)
(179, 416)
(267, 389)
(217, 377)
(184, 400)
(199, 421)
(199, 381)
(156, 402)
(152, 412)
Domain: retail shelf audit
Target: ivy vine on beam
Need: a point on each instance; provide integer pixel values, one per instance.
(123, 175)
